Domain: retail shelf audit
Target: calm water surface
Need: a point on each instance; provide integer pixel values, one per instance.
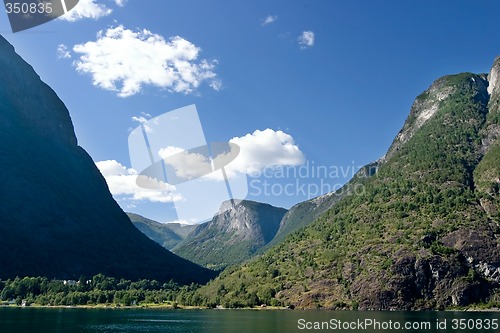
(20, 320)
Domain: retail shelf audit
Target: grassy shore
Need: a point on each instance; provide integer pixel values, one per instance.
(164, 306)
(174, 306)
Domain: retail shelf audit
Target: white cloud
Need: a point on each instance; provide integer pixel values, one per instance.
(88, 9)
(258, 150)
(113, 168)
(265, 149)
(120, 3)
(62, 52)
(216, 85)
(169, 151)
(143, 120)
(306, 39)
(140, 120)
(269, 19)
(124, 61)
(122, 185)
(187, 165)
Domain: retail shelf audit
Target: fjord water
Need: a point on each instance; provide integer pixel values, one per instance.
(67, 320)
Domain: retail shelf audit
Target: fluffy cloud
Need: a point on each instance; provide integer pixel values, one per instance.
(269, 19)
(258, 150)
(62, 52)
(122, 184)
(187, 165)
(306, 39)
(89, 9)
(124, 61)
(121, 3)
(265, 149)
(113, 168)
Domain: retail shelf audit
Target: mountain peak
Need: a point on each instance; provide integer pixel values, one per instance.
(243, 217)
(233, 235)
(30, 104)
(427, 104)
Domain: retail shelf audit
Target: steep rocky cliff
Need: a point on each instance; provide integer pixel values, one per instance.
(233, 235)
(57, 216)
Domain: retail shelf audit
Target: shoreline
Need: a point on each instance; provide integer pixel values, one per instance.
(179, 307)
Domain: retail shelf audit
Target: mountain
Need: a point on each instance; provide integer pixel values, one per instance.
(183, 230)
(57, 216)
(423, 233)
(304, 213)
(167, 235)
(233, 235)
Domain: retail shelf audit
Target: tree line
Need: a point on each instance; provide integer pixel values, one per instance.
(98, 290)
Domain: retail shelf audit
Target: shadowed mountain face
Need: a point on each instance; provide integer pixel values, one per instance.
(57, 217)
(233, 235)
(425, 232)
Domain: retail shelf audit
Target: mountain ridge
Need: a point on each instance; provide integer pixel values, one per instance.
(302, 214)
(234, 234)
(167, 235)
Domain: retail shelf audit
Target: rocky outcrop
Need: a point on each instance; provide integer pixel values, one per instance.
(491, 131)
(427, 104)
(494, 78)
(235, 233)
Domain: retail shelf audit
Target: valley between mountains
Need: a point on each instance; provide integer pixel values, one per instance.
(424, 233)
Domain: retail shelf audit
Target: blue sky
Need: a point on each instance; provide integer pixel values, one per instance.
(312, 83)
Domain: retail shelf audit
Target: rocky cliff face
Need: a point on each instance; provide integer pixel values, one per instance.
(428, 103)
(491, 131)
(494, 78)
(57, 217)
(424, 234)
(248, 220)
(233, 235)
